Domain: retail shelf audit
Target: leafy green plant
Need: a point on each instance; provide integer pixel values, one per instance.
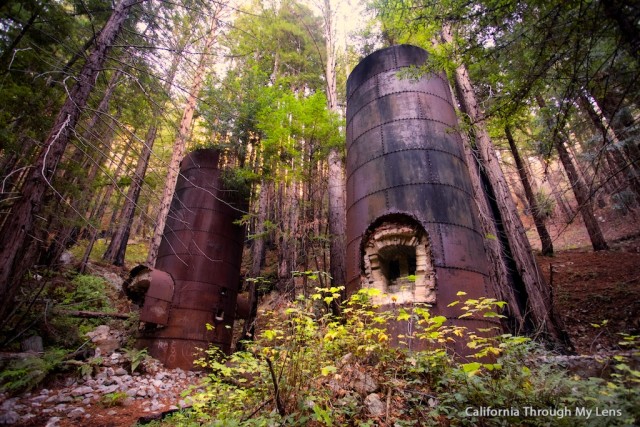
(89, 367)
(301, 371)
(24, 374)
(110, 400)
(135, 357)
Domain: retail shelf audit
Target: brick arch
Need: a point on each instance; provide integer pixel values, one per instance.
(397, 260)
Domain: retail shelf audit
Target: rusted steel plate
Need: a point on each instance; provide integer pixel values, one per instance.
(201, 250)
(405, 159)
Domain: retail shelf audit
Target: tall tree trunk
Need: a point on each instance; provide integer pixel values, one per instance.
(257, 257)
(580, 190)
(565, 210)
(65, 235)
(16, 235)
(627, 25)
(9, 50)
(538, 219)
(116, 251)
(538, 301)
(610, 143)
(101, 207)
(336, 179)
(499, 274)
(184, 134)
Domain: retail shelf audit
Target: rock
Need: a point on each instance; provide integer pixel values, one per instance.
(80, 391)
(33, 343)
(76, 413)
(141, 392)
(156, 406)
(39, 399)
(108, 389)
(9, 417)
(63, 398)
(65, 258)
(53, 422)
(120, 372)
(364, 383)
(99, 333)
(157, 383)
(374, 405)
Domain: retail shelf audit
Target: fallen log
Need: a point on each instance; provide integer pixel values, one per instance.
(91, 314)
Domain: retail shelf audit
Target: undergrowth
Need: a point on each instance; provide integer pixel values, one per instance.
(312, 368)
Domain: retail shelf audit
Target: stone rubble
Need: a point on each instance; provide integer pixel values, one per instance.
(157, 390)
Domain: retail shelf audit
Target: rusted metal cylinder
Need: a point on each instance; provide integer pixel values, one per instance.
(412, 224)
(202, 250)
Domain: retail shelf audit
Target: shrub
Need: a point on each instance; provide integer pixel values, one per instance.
(301, 372)
(24, 374)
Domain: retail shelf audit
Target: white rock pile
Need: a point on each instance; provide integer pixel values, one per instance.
(156, 390)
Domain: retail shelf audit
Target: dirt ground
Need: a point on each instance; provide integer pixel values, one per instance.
(596, 294)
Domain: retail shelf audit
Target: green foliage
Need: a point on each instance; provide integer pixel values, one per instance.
(110, 400)
(22, 375)
(290, 374)
(85, 293)
(545, 202)
(136, 252)
(91, 366)
(239, 181)
(136, 357)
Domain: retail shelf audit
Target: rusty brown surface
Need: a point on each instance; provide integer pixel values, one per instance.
(201, 249)
(405, 158)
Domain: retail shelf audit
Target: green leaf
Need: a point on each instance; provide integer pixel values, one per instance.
(471, 368)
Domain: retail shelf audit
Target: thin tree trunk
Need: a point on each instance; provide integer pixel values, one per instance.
(562, 204)
(9, 50)
(545, 239)
(116, 251)
(16, 235)
(538, 303)
(336, 178)
(580, 190)
(184, 134)
(257, 257)
(624, 165)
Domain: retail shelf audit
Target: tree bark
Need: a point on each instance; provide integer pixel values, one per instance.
(545, 239)
(336, 178)
(116, 251)
(538, 301)
(580, 190)
(16, 235)
(184, 134)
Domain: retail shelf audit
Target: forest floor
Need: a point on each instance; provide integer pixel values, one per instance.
(596, 294)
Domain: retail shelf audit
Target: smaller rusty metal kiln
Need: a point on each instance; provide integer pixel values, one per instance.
(412, 224)
(195, 282)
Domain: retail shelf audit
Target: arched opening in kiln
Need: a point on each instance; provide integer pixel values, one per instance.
(397, 261)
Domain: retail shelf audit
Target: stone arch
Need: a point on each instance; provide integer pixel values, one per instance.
(397, 260)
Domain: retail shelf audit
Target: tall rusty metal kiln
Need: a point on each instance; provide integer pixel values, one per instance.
(412, 224)
(195, 282)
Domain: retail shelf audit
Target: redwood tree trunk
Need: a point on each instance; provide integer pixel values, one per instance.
(16, 235)
(582, 197)
(336, 179)
(545, 239)
(538, 301)
(580, 191)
